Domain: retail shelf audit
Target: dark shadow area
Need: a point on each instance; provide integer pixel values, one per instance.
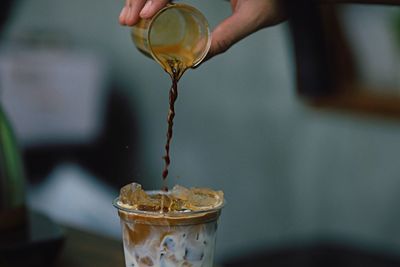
(5, 6)
(111, 157)
(40, 246)
(317, 254)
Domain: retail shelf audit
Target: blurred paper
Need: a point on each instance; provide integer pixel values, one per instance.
(53, 96)
(90, 207)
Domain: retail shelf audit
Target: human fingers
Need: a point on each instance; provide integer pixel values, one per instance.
(123, 15)
(130, 13)
(124, 12)
(248, 16)
(152, 7)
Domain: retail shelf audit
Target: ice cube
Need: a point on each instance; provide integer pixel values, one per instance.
(132, 194)
(178, 199)
(169, 244)
(153, 203)
(194, 254)
(204, 198)
(181, 192)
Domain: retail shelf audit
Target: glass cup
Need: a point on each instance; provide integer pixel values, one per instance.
(154, 239)
(177, 32)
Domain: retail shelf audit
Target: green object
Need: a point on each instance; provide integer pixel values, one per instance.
(12, 178)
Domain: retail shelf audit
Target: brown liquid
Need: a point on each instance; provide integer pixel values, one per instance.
(173, 95)
(175, 61)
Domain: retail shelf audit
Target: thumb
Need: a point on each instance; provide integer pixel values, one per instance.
(247, 18)
(227, 33)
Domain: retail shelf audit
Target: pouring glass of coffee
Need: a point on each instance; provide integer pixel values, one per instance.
(178, 37)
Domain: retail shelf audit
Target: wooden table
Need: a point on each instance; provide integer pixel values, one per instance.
(83, 249)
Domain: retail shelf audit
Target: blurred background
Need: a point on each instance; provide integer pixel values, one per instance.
(90, 113)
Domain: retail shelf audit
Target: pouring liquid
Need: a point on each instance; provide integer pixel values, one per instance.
(175, 60)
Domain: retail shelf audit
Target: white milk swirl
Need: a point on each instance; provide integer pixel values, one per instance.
(169, 246)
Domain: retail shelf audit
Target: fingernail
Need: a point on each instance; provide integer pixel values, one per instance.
(146, 8)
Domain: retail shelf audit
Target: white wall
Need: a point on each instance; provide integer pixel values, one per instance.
(288, 172)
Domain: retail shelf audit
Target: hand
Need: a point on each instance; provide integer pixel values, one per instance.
(137, 9)
(248, 16)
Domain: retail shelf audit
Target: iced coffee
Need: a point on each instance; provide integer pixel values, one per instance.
(168, 229)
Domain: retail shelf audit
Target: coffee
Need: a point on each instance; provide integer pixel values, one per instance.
(175, 228)
(173, 95)
(175, 61)
(178, 227)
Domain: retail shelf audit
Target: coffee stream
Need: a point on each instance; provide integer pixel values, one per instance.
(175, 70)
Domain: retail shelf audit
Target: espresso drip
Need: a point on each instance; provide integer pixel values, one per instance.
(175, 70)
